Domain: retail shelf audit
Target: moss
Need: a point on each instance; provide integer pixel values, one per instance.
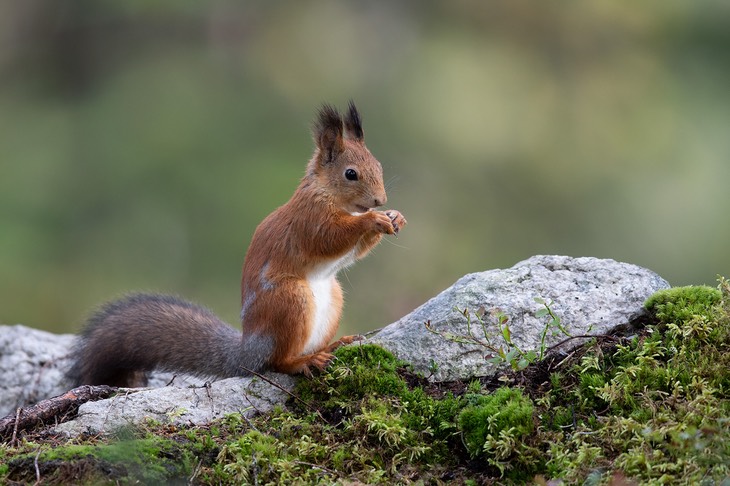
(147, 460)
(505, 410)
(495, 428)
(590, 383)
(437, 417)
(681, 304)
(357, 371)
(562, 417)
(556, 380)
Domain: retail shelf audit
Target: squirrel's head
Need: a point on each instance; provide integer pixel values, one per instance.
(342, 165)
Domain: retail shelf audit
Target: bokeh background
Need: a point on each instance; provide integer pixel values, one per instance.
(141, 142)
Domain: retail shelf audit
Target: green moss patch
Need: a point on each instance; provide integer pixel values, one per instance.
(146, 460)
(683, 304)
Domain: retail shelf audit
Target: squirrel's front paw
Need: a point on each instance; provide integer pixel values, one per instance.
(382, 222)
(396, 219)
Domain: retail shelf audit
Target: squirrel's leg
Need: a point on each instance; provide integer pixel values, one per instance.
(366, 243)
(294, 336)
(287, 311)
(337, 303)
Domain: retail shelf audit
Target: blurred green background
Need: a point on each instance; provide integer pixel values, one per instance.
(141, 142)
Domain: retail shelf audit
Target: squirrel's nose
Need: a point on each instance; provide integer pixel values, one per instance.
(379, 201)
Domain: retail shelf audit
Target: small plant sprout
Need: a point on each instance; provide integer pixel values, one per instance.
(433, 366)
(505, 351)
(553, 324)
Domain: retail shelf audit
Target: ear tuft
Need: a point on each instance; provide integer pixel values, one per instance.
(328, 118)
(327, 132)
(353, 123)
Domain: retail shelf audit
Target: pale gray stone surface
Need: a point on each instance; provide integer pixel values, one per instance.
(32, 366)
(589, 295)
(194, 405)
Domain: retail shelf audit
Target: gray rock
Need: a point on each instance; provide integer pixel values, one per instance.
(589, 295)
(32, 366)
(194, 405)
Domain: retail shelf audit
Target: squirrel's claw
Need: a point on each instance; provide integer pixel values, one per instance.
(397, 219)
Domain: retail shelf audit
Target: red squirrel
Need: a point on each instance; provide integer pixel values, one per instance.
(291, 302)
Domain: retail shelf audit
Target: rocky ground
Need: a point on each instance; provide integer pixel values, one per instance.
(495, 380)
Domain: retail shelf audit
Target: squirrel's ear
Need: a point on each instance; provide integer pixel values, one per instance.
(353, 123)
(328, 133)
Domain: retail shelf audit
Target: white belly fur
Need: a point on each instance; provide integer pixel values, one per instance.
(320, 281)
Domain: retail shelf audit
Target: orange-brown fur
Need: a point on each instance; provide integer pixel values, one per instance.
(288, 279)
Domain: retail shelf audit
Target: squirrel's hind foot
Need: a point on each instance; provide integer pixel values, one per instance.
(304, 364)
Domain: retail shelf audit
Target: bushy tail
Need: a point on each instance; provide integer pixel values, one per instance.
(126, 338)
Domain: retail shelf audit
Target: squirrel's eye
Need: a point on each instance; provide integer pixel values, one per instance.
(351, 175)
